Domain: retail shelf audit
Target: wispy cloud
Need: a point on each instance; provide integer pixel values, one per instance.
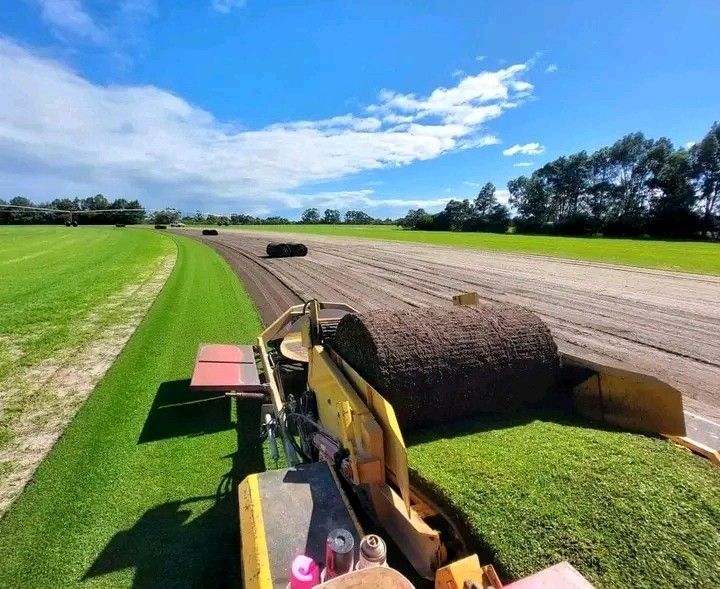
(551, 69)
(480, 57)
(526, 149)
(69, 17)
(225, 6)
(157, 146)
(115, 33)
(523, 165)
(689, 144)
(472, 184)
(459, 74)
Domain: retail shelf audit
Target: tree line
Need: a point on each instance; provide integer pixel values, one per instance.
(85, 206)
(309, 216)
(636, 186)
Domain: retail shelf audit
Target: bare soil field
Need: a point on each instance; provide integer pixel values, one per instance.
(657, 322)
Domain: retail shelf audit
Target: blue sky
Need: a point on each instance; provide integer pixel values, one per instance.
(269, 107)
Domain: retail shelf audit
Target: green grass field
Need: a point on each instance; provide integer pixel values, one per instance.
(626, 510)
(686, 256)
(60, 288)
(54, 277)
(138, 492)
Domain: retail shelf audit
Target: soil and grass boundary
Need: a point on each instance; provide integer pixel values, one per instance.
(699, 257)
(138, 491)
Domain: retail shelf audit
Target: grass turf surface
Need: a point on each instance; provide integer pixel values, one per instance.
(686, 256)
(625, 510)
(60, 288)
(54, 277)
(138, 490)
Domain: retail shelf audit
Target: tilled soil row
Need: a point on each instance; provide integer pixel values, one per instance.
(662, 323)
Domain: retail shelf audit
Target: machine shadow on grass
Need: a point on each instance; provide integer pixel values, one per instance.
(167, 546)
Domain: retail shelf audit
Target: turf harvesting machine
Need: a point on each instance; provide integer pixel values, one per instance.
(340, 388)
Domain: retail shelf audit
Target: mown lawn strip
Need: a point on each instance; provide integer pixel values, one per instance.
(138, 490)
(626, 510)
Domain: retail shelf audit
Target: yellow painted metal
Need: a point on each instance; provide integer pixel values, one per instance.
(711, 454)
(358, 417)
(466, 298)
(254, 552)
(396, 461)
(370, 578)
(627, 399)
(420, 543)
(347, 418)
(467, 570)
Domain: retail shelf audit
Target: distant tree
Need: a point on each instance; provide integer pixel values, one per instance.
(241, 219)
(455, 216)
(167, 216)
(485, 200)
(275, 221)
(417, 219)
(310, 216)
(705, 166)
(530, 197)
(331, 217)
(487, 213)
(498, 219)
(358, 218)
(672, 202)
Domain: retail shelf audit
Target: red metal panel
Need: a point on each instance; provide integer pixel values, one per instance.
(226, 368)
(226, 353)
(559, 576)
(215, 376)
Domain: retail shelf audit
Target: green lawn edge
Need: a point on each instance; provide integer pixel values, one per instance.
(138, 491)
(696, 257)
(535, 489)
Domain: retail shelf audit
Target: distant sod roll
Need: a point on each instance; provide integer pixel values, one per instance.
(441, 364)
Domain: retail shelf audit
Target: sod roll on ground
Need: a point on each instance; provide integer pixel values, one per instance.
(439, 364)
(534, 487)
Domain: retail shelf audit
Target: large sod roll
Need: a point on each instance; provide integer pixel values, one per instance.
(440, 364)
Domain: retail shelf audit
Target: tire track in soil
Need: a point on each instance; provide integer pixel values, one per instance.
(656, 322)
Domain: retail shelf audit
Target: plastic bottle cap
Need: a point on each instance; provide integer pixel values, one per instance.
(304, 573)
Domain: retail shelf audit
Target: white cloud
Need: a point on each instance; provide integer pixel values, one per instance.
(523, 165)
(472, 184)
(472, 102)
(480, 57)
(502, 195)
(60, 135)
(225, 6)
(68, 17)
(459, 74)
(689, 144)
(527, 149)
(359, 199)
(551, 69)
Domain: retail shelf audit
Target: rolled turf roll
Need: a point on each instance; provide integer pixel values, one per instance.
(441, 364)
(278, 250)
(298, 249)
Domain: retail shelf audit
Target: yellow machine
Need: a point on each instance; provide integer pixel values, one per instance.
(347, 458)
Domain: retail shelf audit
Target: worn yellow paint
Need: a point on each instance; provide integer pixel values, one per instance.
(627, 399)
(253, 544)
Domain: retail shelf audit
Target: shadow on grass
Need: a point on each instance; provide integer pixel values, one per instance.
(194, 541)
(177, 411)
